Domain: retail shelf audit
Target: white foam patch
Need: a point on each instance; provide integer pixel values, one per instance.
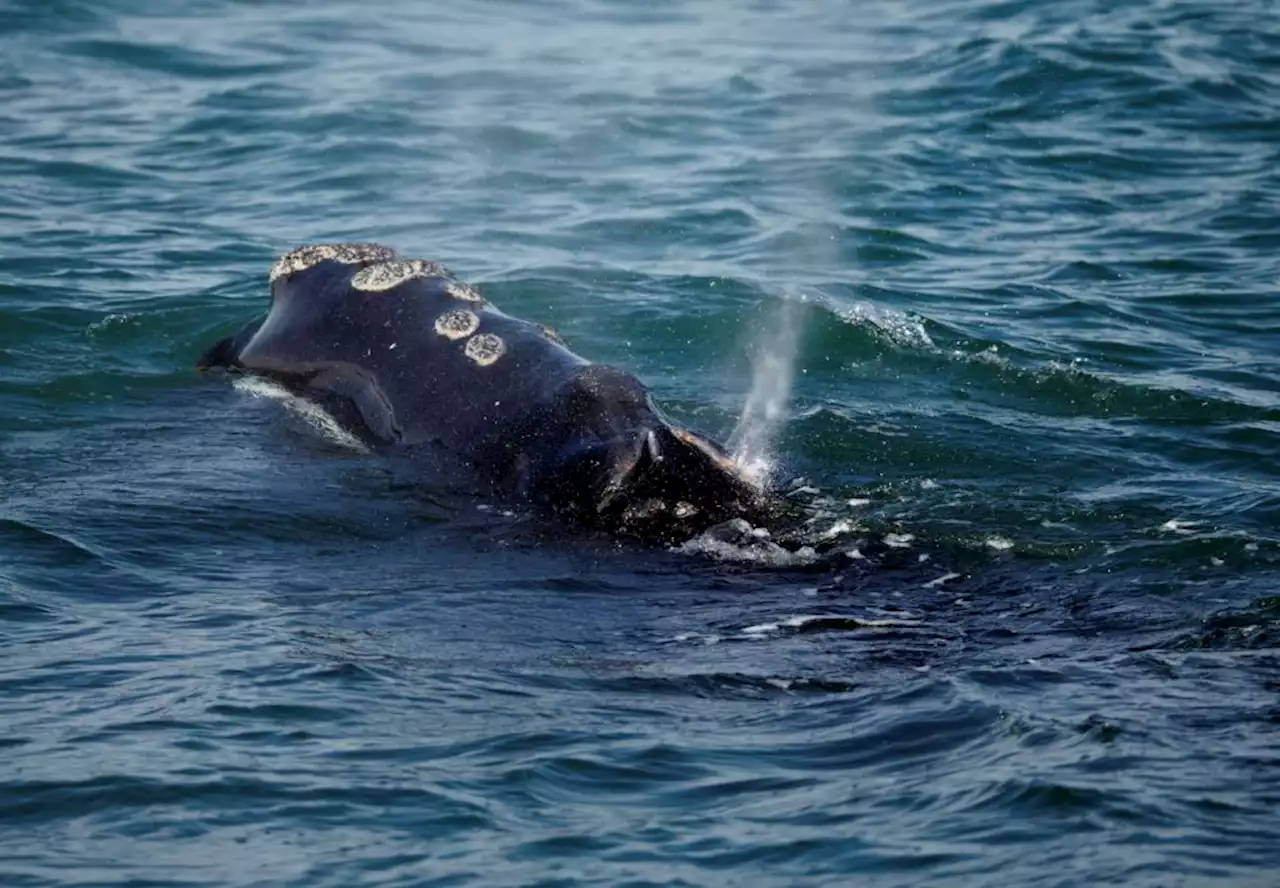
(756, 551)
(840, 527)
(800, 621)
(945, 578)
(388, 275)
(349, 254)
(989, 355)
(485, 348)
(317, 418)
(457, 324)
(756, 469)
(897, 326)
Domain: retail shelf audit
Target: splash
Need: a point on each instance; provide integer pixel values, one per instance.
(736, 541)
(773, 368)
(896, 326)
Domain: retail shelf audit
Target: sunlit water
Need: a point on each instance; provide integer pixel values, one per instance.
(1020, 261)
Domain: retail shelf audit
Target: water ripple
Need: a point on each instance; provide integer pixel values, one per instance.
(1023, 599)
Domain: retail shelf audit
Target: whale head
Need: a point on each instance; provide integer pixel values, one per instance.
(608, 458)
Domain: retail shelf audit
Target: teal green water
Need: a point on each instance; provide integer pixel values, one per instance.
(1034, 251)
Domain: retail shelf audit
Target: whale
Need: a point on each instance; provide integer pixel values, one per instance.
(417, 363)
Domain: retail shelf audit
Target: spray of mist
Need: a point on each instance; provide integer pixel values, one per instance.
(773, 367)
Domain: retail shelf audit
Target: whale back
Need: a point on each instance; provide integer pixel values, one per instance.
(423, 356)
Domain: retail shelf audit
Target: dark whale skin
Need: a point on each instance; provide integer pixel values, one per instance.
(412, 360)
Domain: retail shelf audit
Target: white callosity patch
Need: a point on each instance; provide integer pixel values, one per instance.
(465, 292)
(485, 348)
(389, 275)
(550, 334)
(684, 510)
(457, 324)
(349, 254)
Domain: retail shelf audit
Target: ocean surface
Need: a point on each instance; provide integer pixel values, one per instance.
(1019, 262)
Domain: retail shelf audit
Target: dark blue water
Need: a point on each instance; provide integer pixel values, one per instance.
(1028, 634)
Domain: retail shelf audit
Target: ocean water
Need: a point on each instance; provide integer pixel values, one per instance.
(1021, 261)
